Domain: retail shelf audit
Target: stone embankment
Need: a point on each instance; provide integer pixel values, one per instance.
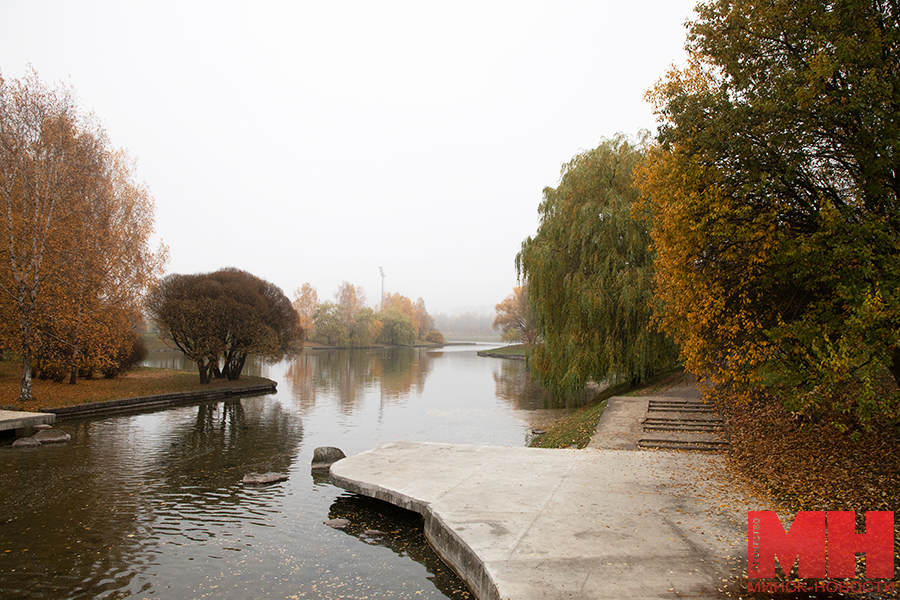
(160, 400)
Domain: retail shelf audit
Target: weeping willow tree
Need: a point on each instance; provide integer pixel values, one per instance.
(589, 271)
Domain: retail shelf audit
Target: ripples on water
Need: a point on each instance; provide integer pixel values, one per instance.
(152, 505)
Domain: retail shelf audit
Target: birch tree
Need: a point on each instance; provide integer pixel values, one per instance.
(74, 227)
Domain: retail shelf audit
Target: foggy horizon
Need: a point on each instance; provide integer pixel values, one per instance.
(314, 143)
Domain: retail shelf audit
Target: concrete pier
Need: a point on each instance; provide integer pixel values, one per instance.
(598, 523)
(25, 421)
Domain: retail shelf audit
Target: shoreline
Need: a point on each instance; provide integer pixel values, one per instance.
(512, 352)
(159, 400)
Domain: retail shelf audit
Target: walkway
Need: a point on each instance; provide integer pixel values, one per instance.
(15, 419)
(604, 522)
(673, 419)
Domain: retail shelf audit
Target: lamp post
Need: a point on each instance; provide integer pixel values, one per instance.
(381, 270)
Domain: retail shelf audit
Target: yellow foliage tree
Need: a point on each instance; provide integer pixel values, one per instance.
(306, 303)
(776, 205)
(74, 231)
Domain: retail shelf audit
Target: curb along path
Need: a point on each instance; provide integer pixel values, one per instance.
(604, 522)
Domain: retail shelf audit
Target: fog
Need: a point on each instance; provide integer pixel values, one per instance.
(316, 142)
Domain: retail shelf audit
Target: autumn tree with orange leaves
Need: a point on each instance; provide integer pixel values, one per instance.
(306, 303)
(75, 230)
(775, 199)
(514, 317)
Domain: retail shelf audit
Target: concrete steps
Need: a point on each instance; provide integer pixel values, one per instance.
(674, 423)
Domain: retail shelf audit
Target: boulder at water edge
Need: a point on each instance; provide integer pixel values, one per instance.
(264, 478)
(26, 443)
(326, 456)
(51, 436)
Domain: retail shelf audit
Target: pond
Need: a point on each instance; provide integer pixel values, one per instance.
(151, 504)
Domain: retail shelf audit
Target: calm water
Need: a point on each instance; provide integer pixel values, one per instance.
(151, 505)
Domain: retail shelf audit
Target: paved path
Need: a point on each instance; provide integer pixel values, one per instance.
(675, 419)
(15, 419)
(601, 523)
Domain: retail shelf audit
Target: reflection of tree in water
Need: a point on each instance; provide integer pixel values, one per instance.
(226, 441)
(57, 540)
(349, 374)
(300, 376)
(380, 523)
(515, 386)
(91, 522)
(404, 371)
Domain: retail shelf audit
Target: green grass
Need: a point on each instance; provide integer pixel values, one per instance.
(578, 428)
(514, 350)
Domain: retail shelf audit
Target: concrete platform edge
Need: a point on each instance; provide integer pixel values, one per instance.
(460, 557)
(448, 545)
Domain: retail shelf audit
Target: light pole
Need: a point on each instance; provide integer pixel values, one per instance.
(381, 270)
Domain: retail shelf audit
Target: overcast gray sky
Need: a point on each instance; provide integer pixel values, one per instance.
(316, 141)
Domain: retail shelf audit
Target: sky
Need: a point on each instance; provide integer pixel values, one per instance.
(318, 141)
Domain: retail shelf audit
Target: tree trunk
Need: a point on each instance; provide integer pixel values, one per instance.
(236, 366)
(895, 365)
(73, 375)
(25, 391)
(204, 367)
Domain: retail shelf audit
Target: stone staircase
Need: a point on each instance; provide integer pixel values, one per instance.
(682, 423)
(673, 418)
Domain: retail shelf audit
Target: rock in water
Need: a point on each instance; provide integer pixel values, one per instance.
(374, 533)
(51, 436)
(326, 456)
(264, 478)
(26, 443)
(338, 523)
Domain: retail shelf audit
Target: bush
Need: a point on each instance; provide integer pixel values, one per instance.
(52, 370)
(435, 337)
(133, 351)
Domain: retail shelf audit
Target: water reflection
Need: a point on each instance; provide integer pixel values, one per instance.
(175, 359)
(152, 504)
(377, 523)
(515, 386)
(95, 514)
(350, 374)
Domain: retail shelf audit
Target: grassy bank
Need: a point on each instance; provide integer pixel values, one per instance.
(514, 351)
(142, 381)
(577, 429)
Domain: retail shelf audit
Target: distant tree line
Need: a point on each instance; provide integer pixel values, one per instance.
(347, 322)
(468, 323)
(75, 230)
